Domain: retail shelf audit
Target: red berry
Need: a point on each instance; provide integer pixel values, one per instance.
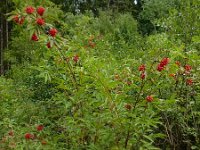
(160, 68)
(34, 37)
(49, 44)
(16, 18)
(40, 127)
(149, 98)
(188, 68)
(76, 58)
(21, 21)
(142, 76)
(11, 133)
(30, 10)
(53, 32)
(28, 136)
(40, 21)
(40, 10)
(189, 81)
(164, 62)
(141, 68)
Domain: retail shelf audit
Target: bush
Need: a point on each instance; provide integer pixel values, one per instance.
(98, 84)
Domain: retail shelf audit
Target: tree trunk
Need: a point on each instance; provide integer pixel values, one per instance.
(3, 34)
(1, 44)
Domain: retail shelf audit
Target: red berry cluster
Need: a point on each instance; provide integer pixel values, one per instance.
(149, 98)
(142, 70)
(162, 64)
(34, 37)
(30, 136)
(30, 10)
(53, 32)
(188, 68)
(76, 58)
(187, 71)
(40, 127)
(189, 81)
(39, 21)
(49, 44)
(40, 10)
(19, 20)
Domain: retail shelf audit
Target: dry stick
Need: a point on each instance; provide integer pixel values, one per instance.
(172, 141)
(168, 134)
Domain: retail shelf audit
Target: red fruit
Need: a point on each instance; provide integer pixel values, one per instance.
(40, 21)
(30, 10)
(160, 68)
(128, 106)
(40, 10)
(76, 58)
(164, 62)
(16, 18)
(34, 37)
(141, 68)
(189, 81)
(49, 45)
(149, 98)
(21, 21)
(188, 68)
(11, 133)
(53, 32)
(28, 136)
(142, 76)
(40, 127)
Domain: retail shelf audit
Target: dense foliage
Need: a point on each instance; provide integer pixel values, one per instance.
(81, 81)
